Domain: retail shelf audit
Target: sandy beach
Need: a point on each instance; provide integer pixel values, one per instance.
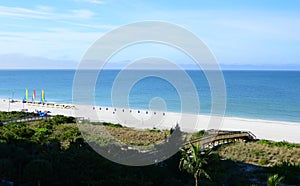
(263, 129)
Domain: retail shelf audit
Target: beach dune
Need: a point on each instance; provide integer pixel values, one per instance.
(263, 129)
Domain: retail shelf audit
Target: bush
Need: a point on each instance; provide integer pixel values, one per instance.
(198, 134)
(290, 171)
(59, 119)
(45, 124)
(25, 132)
(21, 130)
(15, 114)
(66, 132)
(154, 130)
(112, 125)
(279, 144)
(42, 132)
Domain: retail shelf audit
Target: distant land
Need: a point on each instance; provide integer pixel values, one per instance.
(20, 61)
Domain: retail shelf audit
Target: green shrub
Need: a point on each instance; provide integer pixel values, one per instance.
(42, 131)
(289, 171)
(112, 125)
(153, 130)
(21, 130)
(66, 132)
(45, 124)
(15, 115)
(42, 135)
(59, 119)
(198, 134)
(275, 180)
(279, 144)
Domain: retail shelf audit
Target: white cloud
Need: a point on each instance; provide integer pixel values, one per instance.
(275, 27)
(85, 14)
(96, 1)
(43, 12)
(22, 12)
(45, 8)
(93, 26)
(56, 44)
(99, 2)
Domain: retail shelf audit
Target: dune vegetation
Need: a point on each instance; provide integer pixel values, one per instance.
(54, 152)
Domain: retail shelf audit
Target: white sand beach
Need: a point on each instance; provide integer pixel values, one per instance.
(263, 129)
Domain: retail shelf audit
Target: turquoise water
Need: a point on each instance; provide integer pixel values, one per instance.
(273, 95)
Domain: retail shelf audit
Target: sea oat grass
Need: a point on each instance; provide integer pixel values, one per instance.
(261, 153)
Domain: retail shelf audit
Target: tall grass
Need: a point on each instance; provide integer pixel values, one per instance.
(279, 144)
(260, 153)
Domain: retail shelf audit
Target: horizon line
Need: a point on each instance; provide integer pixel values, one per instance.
(189, 69)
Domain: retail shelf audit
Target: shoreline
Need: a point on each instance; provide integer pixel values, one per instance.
(237, 116)
(138, 118)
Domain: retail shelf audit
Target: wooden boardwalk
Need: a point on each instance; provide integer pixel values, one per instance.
(34, 118)
(214, 138)
(26, 119)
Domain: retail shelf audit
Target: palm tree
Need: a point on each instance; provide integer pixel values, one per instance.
(274, 180)
(194, 160)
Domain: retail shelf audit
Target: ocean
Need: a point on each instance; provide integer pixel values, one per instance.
(269, 95)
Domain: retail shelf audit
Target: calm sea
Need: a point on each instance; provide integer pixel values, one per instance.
(272, 95)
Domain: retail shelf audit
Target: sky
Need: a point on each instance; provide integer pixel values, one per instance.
(242, 35)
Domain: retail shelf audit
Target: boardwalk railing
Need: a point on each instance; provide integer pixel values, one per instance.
(26, 119)
(214, 138)
(34, 118)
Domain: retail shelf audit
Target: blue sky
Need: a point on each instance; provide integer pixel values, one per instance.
(57, 33)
